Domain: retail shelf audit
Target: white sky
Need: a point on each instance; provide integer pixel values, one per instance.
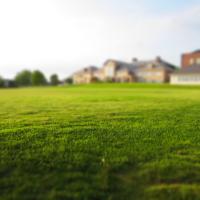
(61, 36)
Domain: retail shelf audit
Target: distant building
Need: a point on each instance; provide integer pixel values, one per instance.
(117, 71)
(152, 71)
(86, 75)
(187, 76)
(190, 59)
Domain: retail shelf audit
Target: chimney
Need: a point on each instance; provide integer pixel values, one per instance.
(158, 59)
(134, 60)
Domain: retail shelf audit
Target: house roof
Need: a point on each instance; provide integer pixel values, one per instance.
(157, 63)
(132, 67)
(119, 63)
(196, 51)
(90, 69)
(194, 69)
(138, 64)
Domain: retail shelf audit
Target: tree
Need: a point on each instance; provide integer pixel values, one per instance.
(69, 80)
(1, 82)
(23, 78)
(38, 78)
(54, 80)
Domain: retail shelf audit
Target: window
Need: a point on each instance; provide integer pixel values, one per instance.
(150, 66)
(198, 61)
(191, 61)
(158, 73)
(186, 78)
(110, 72)
(150, 73)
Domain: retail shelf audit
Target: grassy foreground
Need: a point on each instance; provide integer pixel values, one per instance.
(112, 142)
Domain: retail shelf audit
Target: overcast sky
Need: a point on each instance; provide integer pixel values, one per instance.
(61, 36)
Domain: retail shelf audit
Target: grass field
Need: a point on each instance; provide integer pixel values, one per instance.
(96, 142)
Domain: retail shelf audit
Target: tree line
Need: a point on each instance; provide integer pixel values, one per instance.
(28, 78)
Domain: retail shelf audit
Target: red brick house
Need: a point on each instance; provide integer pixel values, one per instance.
(190, 59)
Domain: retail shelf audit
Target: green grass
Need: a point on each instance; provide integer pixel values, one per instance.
(104, 141)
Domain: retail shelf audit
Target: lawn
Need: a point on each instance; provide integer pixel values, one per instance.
(103, 141)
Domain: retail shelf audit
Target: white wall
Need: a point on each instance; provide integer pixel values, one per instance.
(185, 79)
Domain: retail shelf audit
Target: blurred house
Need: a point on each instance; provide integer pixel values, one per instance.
(86, 75)
(189, 74)
(151, 71)
(117, 71)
